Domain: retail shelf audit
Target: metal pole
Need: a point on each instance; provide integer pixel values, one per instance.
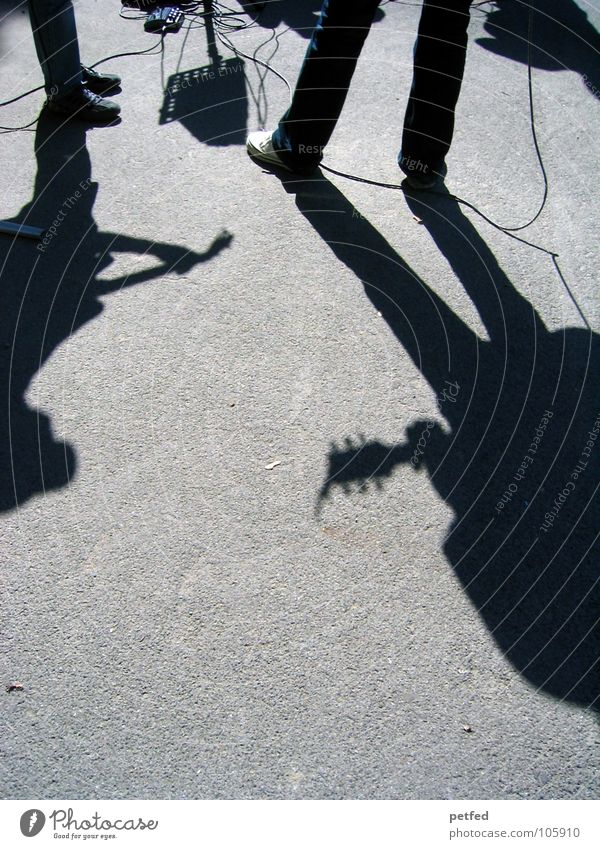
(12, 229)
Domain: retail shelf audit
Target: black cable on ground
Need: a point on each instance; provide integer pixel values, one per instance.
(159, 44)
(5, 130)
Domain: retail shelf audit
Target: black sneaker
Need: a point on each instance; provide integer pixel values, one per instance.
(99, 83)
(422, 182)
(83, 104)
(420, 175)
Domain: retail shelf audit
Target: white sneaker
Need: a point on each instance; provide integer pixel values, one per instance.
(260, 146)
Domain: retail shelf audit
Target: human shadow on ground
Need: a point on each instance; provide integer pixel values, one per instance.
(11, 7)
(299, 15)
(49, 291)
(9, 10)
(562, 37)
(513, 451)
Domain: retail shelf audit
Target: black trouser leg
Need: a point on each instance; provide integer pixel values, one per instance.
(439, 61)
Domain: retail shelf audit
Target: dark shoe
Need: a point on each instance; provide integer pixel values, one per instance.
(420, 175)
(422, 182)
(99, 83)
(83, 104)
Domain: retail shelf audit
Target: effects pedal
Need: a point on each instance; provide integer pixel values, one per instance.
(167, 19)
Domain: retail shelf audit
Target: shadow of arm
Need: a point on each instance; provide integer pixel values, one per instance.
(173, 259)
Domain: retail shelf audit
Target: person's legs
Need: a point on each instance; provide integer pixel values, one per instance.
(439, 61)
(324, 79)
(72, 90)
(55, 37)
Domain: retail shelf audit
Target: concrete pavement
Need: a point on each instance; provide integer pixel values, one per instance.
(200, 347)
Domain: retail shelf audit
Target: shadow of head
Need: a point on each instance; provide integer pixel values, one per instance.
(298, 15)
(555, 35)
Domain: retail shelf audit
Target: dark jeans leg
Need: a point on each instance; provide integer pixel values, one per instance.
(55, 37)
(324, 80)
(439, 62)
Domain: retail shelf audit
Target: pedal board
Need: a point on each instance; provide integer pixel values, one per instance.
(167, 19)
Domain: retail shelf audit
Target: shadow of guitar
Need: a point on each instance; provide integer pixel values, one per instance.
(519, 462)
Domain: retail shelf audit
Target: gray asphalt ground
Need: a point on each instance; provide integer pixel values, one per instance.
(193, 606)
